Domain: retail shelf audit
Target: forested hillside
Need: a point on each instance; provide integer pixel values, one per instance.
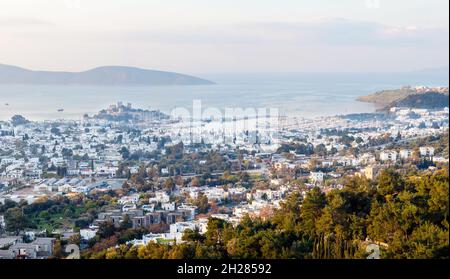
(406, 215)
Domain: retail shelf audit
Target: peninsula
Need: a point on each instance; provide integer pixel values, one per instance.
(417, 97)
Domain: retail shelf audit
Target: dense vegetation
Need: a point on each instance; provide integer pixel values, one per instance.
(50, 214)
(426, 101)
(179, 162)
(407, 215)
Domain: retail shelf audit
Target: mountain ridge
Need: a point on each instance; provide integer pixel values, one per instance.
(103, 75)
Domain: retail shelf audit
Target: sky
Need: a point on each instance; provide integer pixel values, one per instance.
(226, 36)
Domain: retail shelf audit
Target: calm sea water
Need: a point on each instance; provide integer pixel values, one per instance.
(302, 95)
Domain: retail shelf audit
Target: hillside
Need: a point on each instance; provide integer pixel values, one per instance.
(104, 76)
(387, 96)
(426, 101)
(422, 97)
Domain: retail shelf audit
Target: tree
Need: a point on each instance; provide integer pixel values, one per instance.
(390, 182)
(16, 220)
(18, 120)
(106, 229)
(193, 236)
(58, 252)
(125, 153)
(169, 184)
(311, 210)
(320, 150)
(215, 231)
(406, 213)
(427, 242)
(202, 203)
(126, 223)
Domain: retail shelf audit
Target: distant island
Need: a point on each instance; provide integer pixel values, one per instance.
(414, 97)
(103, 76)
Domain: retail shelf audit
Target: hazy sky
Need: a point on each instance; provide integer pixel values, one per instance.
(201, 36)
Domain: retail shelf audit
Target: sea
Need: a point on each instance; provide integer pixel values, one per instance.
(305, 95)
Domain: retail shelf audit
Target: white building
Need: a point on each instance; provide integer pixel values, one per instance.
(128, 207)
(164, 171)
(160, 196)
(406, 154)
(88, 234)
(427, 151)
(177, 229)
(189, 208)
(388, 156)
(168, 206)
(263, 195)
(166, 238)
(216, 194)
(132, 199)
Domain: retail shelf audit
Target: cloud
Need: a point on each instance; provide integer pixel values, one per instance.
(320, 32)
(323, 32)
(342, 32)
(314, 45)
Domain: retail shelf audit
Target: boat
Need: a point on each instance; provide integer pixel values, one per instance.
(60, 110)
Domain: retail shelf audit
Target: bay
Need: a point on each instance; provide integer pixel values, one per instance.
(301, 95)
